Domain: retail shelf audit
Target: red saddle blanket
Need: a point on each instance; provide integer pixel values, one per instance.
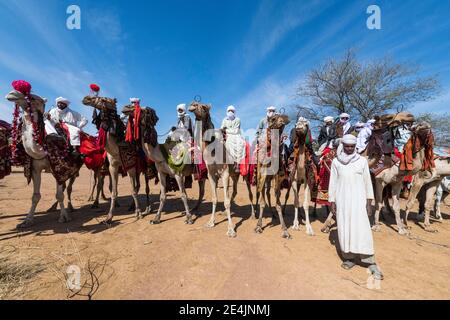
(94, 153)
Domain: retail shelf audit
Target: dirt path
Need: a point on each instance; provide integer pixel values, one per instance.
(136, 260)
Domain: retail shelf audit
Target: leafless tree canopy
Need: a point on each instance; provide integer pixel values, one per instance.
(363, 90)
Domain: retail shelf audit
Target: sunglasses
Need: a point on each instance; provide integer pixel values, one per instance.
(345, 118)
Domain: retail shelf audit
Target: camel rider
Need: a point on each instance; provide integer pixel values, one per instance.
(327, 132)
(402, 134)
(264, 123)
(72, 119)
(363, 136)
(344, 126)
(235, 144)
(184, 130)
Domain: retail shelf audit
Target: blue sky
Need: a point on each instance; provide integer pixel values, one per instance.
(247, 53)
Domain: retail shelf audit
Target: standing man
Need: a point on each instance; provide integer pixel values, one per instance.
(327, 132)
(350, 195)
(72, 119)
(344, 126)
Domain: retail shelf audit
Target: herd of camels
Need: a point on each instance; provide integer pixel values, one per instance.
(266, 179)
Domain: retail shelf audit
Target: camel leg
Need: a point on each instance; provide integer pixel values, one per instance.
(439, 196)
(309, 229)
(269, 200)
(91, 197)
(99, 189)
(36, 178)
(284, 230)
(114, 173)
(55, 204)
(201, 194)
(417, 185)
(250, 196)
(379, 186)
(213, 182)
(69, 194)
(180, 182)
(102, 179)
(162, 198)
(260, 200)
(431, 191)
(295, 189)
(227, 203)
(328, 223)
(396, 190)
(147, 195)
(64, 215)
(135, 186)
(286, 198)
(234, 180)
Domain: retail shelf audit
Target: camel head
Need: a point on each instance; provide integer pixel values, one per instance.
(24, 101)
(200, 110)
(302, 127)
(278, 121)
(100, 103)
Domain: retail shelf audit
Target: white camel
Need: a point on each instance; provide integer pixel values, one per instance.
(32, 106)
(393, 176)
(217, 164)
(431, 182)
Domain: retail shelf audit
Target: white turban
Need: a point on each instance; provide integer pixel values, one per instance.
(231, 108)
(302, 119)
(371, 121)
(359, 124)
(349, 139)
(345, 115)
(63, 100)
(181, 106)
(271, 108)
(328, 119)
(135, 100)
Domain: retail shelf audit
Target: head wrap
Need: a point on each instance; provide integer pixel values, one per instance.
(349, 139)
(181, 106)
(231, 108)
(342, 156)
(63, 100)
(271, 108)
(328, 119)
(135, 100)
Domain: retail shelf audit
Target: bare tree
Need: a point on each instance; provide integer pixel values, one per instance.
(441, 127)
(363, 90)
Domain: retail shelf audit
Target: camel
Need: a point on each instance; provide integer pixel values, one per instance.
(153, 151)
(217, 167)
(33, 105)
(268, 169)
(421, 179)
(298, 176)
(108, 107)
(394, 177)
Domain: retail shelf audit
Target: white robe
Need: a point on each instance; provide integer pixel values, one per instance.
(74, 121)
(363, 139)
(350, 187)
(235, 144)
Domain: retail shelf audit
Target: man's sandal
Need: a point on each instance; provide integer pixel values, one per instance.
(347, 265)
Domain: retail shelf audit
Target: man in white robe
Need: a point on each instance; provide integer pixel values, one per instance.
(264, 123)
(350, 195)
(72, 119)
(364, 136)
(235, 144)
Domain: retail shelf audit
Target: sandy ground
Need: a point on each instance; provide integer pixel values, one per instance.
(136, 260)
